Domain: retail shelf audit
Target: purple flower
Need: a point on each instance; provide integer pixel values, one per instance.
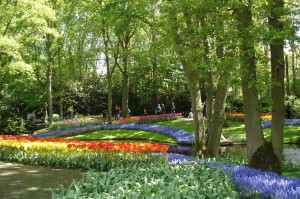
(266, 184)
(178, 158)
(287, 122)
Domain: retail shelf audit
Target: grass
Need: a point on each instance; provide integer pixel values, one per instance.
(294, 174)
(124, 135)
(184, 124)
(236, 130)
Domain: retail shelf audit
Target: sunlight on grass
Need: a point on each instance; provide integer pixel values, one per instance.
(295, 174)
(124, 135)
(184, 124)
(236, 130)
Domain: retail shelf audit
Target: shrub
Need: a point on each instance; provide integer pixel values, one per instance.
(56, 117)
(13, 126)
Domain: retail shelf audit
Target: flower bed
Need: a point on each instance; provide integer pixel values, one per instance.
(287, 122)
(29, 142)
(155, 180)
(181, 136)
(148, 119)
(60, 153)
(253, 182)
(57, 152)
(239, 117)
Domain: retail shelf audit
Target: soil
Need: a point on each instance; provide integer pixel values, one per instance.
(33, 182)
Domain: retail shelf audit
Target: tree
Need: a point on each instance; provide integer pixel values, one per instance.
(277, 74)
(20, 31)
(183, 26)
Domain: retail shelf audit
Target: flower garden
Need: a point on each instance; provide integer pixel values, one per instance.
(142, 170)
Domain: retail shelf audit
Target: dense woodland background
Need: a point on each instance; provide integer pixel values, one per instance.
(89, 55)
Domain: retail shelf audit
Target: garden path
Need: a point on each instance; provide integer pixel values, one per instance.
(33, 182)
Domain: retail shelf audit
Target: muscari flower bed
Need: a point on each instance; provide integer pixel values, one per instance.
(287, 122)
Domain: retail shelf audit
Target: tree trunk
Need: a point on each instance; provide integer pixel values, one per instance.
(125, 92)
(277, 72)
(218, 109)
(197, 107)
(109, 86)
(259, 154)
(287, 75)
(217, 120)
(49, 78)
(49, 92)
(209, 103)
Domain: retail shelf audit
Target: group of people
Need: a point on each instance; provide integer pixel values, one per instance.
(31, 117)
(69, 114)
(160, 109)
(117, 114)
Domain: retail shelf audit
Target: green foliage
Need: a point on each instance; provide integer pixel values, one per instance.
(294, 105)
(154, 180)
(290, 167)
(13, 125)
(296, 87)
(56, 117)
(296, 109)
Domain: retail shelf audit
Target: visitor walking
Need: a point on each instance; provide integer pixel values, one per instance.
(129, 112)
(104, 117)
(173, 108)
(158, 109)
(117, 112)
(190, 114)
(163, 109)
(288, 111)
(75, 114)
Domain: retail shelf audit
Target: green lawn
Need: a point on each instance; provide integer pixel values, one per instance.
(235, 131)
(124, 135)
(294, 174)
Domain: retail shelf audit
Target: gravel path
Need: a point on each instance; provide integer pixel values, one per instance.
(32, 182)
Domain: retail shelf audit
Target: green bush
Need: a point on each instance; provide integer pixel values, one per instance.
(13, 126)
(296, 109)
(56, 117)
(155, 180)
